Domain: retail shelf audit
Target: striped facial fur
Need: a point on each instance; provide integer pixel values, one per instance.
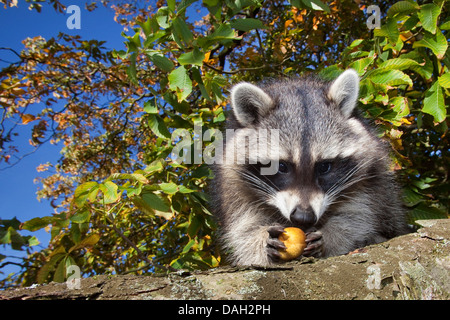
(330, 177)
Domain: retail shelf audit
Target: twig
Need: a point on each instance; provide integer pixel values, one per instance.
(244, 69)
(130, 243)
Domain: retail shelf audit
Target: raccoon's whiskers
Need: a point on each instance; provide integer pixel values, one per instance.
(257, 183)
(346, 181)
(343, 198)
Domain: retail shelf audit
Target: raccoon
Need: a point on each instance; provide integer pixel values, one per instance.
(332, 176)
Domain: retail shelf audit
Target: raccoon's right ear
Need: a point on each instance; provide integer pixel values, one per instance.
(249, 103)
(344, 91)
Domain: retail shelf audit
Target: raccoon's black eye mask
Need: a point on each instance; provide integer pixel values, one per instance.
(283, 167)
(326, 173)
(324, 167)
(331, 172)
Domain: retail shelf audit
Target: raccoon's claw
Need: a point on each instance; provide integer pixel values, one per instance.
(276, 244)
(273, 244)
(275, 231)
(314, 243)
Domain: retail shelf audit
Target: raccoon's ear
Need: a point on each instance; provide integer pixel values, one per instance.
(344, 91)
(249, 103)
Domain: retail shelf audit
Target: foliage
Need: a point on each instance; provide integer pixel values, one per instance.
(35, 4)
(123, 202)
(404, 87)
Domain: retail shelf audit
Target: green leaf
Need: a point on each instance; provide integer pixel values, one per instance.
(316, 5)
(81, 217)
(247, 24)
(183, 189)
(146, 26)
(194, 57)
(428, 15)
(184, 4)
(14, 223)
(151, 106)
(138, 177)
(33, 241)
(223, 32)
(411, 197)
(181, 32)
(177, 263)
(171, 5)
(195, 223)
(424, 212)
(361, 65)
(109, 190)
(398, 64)
(437, 43)
(11, 236)
(162, 17)
(356, 43)
(160, 61)
(37, 223)
(424, 183)
(158, 126)
(188, 246)
(85, 191)
(400, 106)
(389, 30)
(131, 70)
(155, 166)
(198, 78)
(60, 272)
(75, 233)
(87, 242)
(330, 73)
(57, 254)
(404, 7)
(180, 82)
(134, 43)
(155, 202)
(219, 117)
(153, 37)
(390, 77)
(434, 103)
(445, 25)
(169, 188)
(444, 80)
(410, 23)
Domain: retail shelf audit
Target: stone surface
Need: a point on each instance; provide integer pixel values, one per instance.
(413, 266)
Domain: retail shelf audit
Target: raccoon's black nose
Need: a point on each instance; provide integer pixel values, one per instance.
(303, 218)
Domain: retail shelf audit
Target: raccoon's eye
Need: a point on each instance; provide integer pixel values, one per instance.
(282, 167)
(323, 167)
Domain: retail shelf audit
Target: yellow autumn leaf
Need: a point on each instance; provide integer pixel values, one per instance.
(27, 118)
(207, 57)
(405, 121)
(18, 91)
(288, 23)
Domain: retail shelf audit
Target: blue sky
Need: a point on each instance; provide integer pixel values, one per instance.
(17, 189)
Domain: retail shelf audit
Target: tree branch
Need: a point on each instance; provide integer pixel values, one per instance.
(388, 270)
(244, 69)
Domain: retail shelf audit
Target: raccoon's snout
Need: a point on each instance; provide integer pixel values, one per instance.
(303, 218)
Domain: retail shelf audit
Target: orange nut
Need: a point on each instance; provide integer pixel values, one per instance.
(294, 240)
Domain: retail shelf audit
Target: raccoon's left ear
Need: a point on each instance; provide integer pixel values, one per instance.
(344, 91)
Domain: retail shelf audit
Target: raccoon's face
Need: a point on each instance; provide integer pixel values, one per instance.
(320, 152)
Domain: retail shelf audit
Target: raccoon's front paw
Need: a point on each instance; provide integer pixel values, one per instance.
(314, 244)
(274, 245)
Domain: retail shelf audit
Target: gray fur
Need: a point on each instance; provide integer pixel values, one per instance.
(318, 125)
